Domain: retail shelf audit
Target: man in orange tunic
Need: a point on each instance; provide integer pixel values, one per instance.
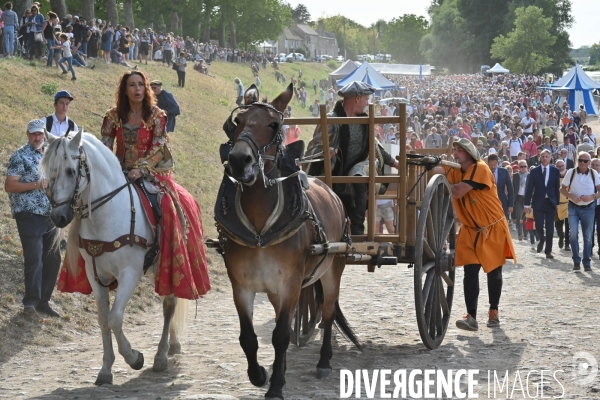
(484, 239)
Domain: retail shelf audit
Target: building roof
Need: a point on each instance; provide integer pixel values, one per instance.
(307, 30)
(289, 35)
(330, 35)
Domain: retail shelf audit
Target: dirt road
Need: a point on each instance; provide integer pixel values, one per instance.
(548, 313)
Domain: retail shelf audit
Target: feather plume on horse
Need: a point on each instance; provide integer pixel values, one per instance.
(114, 244)
(268, 214)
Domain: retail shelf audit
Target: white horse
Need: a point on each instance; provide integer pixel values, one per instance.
(101, 212)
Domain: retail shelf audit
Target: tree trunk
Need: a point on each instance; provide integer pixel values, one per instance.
(87, 9)
(222, 30)
(180, 27)
(207, 10)
(59, 7)
(160, 23)
(21, 6)
(174, 22)
(128, 14)
(232, 35)
(111, 12)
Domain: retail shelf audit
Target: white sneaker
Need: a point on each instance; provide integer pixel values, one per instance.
(533, 245)
(44, 58)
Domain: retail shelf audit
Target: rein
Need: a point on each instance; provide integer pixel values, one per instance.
(96, 248)
(259, 152)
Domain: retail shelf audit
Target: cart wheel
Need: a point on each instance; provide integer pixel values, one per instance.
(434, 262)
(308, 315)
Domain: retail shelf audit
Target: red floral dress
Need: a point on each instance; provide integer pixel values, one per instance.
(182, 268)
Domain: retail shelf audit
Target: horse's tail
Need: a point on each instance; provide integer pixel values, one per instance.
(340, 320)
(179, 317)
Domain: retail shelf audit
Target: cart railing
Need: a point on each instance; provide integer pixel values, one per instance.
(404, 180)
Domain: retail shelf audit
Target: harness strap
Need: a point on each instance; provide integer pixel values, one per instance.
(95, 248)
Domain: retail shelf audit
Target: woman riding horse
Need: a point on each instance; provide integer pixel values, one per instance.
(139, 129)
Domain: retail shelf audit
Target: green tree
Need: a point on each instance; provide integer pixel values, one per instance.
(525, 49)
(351, 36)
(300, 14)
(594, 54)
(403, 36)
(446, 44)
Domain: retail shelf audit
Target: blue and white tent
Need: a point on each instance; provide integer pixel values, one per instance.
(366, 73)
(577, 87)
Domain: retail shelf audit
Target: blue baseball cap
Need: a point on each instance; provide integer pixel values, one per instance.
(62, 94)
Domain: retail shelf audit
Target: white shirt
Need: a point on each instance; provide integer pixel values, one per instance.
(66, 49)
(582, 185)
(525, 122)
(60, 128)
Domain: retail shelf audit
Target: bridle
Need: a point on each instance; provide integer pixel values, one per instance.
(83, 170)
(257, 151)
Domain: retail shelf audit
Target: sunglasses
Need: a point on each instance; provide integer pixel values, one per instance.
(583, 161)
(523, 166)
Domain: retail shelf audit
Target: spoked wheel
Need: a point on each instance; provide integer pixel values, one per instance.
(308, 315)
(434, 266)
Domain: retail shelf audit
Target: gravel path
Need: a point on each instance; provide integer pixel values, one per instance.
(547, 314)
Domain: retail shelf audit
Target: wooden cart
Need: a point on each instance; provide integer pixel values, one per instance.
(425, 237)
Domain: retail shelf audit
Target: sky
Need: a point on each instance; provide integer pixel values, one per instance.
(585, 30)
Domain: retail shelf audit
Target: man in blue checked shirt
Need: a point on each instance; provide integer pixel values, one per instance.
(31, 210)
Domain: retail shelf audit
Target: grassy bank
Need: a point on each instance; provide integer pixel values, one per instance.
(205, 104)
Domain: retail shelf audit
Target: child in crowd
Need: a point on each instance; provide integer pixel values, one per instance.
(65, 46)
(529, 225)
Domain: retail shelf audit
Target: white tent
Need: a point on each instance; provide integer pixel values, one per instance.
(402, 69)
(343, 71)
(576, 87)
(498, 69)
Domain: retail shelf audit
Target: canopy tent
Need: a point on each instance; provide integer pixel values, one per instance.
(576, 87)
(343, 71)
(402, 69)
(498, 69)
(366, 73)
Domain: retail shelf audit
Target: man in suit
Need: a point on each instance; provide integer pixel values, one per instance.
(543, 194)
(503, 184)
(563, 156)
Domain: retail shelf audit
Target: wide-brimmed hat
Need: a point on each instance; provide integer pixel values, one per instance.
(469, 147)
(356, 88)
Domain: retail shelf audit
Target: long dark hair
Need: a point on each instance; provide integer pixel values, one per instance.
(123, 102)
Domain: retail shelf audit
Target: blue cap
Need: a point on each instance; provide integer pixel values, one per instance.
(62, 93)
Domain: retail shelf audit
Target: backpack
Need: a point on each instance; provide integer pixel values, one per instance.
(49, 121)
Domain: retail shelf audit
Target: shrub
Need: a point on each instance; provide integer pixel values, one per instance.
(49, 88)
(332, 64)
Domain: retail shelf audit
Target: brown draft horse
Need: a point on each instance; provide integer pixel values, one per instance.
(279, 269)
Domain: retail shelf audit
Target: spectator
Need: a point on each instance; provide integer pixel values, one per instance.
(561, 219)
(58, 123)
(107, 38)
(239, 91)
(586, 145)
(31, 208)
(181, 63)
(433, 140)
(35, 23)
(519, 186)
(314, 108)
(504, 185)
(10, 19)
(580, 186)
(65, 46)
(117, 58)
(543, 195)
(166, 102)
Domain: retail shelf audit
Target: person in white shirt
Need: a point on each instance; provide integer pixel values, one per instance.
(528, 124)
(580, 186)
(67, 56)
(58, 123)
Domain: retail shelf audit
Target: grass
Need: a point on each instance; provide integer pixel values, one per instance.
(205, 104)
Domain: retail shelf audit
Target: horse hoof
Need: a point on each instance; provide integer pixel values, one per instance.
(104, 379)
(273, 394)
(323, 373)
(160, 365)
(263, 380)
(174, 348)
(139, 363)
